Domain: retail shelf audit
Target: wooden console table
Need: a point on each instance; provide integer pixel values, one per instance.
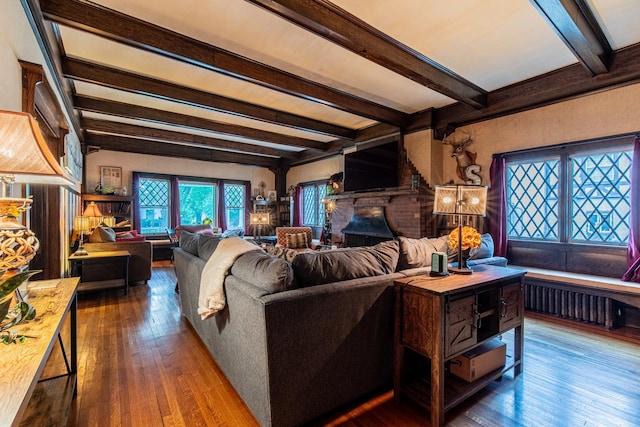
(443, 317)
(25, 398)
(119, 259)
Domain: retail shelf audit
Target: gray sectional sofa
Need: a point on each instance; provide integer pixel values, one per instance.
(303, 335)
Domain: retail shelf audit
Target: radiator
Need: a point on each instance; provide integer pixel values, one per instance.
(544, 298)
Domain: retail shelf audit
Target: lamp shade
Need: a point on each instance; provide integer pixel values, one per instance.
(92, 210)
(259, 218)
(25, 153)
(460, 199)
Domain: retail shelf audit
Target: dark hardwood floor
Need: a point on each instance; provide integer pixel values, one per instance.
(140, 364)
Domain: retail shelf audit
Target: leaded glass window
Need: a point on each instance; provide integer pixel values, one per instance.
(600, 197)
(234, 205)
(154, 205)
(312, 206)
(576, 195)
(532, 197)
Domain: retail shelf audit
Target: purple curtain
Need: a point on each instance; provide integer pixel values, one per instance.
(222, 207)
(297, 207)
(633, 249)
(174, 206)
(497, 206)
(248, 207)
(135, 192)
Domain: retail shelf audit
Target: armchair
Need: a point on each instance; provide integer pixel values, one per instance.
(289, 237)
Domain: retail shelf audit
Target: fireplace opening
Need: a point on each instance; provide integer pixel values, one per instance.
(368, 227)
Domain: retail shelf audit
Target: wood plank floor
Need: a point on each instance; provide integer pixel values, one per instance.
(140, 364)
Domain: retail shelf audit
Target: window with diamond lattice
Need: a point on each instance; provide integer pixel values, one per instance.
(154, 205)
(312, 207)
(234, 205)
(576, 195)
(532, 197)
(600, 203)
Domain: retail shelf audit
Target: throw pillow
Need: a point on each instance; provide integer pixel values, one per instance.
(264, 271)
(485, 250)
(207, 245)
(416, 253)
(233, 232)
(189, 242)
(297, 240)
(319, 267)
(282, 253)
(102, 234)
(124, 235)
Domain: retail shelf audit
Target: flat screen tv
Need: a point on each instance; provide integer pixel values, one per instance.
(371, 168)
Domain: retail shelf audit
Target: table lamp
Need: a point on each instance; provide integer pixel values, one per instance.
(259, 219)
(90, 219)
(24, 158)
(460, 200)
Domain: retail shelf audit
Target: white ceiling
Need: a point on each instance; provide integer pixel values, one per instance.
(491, 43)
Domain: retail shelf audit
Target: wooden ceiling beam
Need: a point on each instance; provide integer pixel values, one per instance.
(560, 85)
(340, 27)
(379, 132)
(123, 80)
(127, 129)
(131, 111)
(152, 38)
(142, 146)
(575, 24)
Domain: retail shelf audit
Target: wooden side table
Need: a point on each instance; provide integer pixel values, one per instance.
(120, 260)
(26, 399)
(443, 317)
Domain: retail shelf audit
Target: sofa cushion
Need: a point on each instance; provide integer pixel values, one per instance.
(102, 234)
(297, 240)
(263, 270)
(416, 253)
(206, 245)
(315, 268)
(189, 242)
(485, 250)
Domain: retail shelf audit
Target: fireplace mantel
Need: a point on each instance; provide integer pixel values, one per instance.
(380, 193)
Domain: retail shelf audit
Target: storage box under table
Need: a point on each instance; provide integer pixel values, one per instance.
(480, 361)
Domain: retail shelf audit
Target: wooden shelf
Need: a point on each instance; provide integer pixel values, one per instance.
(456, 390)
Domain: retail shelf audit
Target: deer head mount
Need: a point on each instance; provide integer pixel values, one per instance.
(467, 169)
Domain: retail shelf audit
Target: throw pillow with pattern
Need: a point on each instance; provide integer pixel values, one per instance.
(297, 240)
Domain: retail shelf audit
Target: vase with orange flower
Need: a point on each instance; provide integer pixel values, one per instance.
(464, 239)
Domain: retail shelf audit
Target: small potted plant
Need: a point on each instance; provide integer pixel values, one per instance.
(21, 311)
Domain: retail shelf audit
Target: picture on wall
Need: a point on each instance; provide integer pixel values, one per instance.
(272, 196)
(110, 177)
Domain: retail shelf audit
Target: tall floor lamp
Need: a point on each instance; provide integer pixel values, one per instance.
(259, 219)
(24, 158)
(460, 200)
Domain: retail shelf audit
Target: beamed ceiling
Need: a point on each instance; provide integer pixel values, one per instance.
(284, 82)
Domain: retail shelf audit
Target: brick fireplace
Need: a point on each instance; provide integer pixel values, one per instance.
(407, 212)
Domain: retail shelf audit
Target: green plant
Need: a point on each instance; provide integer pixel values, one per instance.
(21, 311)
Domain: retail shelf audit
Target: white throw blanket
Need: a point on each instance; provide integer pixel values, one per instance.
(212, 299)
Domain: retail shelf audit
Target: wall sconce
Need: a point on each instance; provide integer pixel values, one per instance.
(25, 158)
